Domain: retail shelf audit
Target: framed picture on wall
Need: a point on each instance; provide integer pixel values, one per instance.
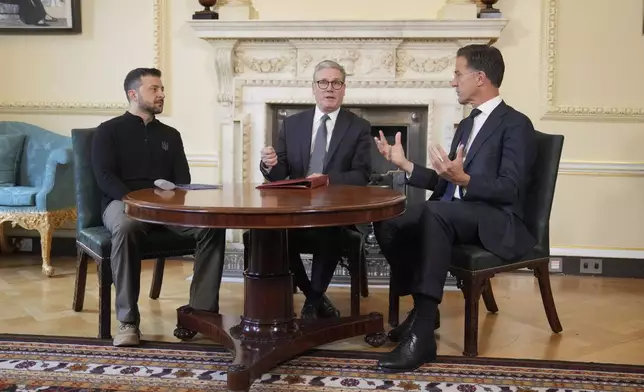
(40, 16)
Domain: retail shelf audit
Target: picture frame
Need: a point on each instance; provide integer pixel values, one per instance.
(40, 17)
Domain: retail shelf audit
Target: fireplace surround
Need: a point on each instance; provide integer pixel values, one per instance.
(398, 78)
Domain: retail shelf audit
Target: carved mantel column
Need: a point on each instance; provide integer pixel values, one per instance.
(458, 9)
(224, 69)
(224, 63)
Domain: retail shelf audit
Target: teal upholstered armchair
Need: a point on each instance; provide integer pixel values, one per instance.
(36, 182)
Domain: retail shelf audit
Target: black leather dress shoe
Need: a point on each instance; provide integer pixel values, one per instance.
(326, 309)
(309, 311)
(411, 353)
(397, 334)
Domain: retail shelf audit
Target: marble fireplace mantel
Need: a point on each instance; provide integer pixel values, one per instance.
(262, 62)
(482, 29)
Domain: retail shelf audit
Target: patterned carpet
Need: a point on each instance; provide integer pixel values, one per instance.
(29, 363)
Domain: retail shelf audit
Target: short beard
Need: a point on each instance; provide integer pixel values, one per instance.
(151, 109)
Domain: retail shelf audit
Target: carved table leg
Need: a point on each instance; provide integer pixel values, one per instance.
(268, 333)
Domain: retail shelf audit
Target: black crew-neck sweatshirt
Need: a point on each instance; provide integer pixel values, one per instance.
(128, 155)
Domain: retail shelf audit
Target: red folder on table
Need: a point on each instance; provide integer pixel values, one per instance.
(300, 183)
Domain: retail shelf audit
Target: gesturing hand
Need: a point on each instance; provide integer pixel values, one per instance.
(450, 170)
(395, 154)
(269, 157)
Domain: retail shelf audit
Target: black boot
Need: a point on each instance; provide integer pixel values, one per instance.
(402, 330)
(411, 353)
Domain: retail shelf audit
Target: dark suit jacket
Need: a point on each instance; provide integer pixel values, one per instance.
(499, 163)
(348, 159)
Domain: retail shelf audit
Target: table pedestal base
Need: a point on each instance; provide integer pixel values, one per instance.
(256, 356)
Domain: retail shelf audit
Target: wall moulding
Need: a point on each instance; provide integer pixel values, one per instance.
(203, 160)
(159, 13)
(610, 169)
(557, 111)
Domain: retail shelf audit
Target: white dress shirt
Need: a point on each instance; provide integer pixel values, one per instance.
(486, 109)
(330, 124)
(317, 117)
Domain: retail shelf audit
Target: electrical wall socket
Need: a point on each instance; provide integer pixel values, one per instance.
(25, 245)
(590, 266)
(555, 264)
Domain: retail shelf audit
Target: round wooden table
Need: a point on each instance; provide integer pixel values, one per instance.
(268, 332)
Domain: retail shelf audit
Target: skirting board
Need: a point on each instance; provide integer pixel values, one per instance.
(616, 263)
(598, 252)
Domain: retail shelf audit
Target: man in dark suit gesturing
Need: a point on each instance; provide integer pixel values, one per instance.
(478, 197)
(325, 140)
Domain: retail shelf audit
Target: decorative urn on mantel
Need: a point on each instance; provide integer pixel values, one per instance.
(226, 10)
(206, 13)
(489, 11)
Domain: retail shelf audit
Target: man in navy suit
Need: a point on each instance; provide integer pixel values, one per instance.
(325, 140)
(478, 197)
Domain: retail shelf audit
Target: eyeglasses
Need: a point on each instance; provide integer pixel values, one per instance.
(324, 84)
(458, 76)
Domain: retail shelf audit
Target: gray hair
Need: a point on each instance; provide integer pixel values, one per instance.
(330, 64)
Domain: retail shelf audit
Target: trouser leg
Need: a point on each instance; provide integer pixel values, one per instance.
(328, 251)
(208, 266)
(299, 272)
(400, 240)
(125, 261)
(442, 225)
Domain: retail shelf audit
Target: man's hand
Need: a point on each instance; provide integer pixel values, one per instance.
(395, 154)
(269, 157)
(452, 171)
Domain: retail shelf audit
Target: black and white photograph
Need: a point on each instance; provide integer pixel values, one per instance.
(40, 16)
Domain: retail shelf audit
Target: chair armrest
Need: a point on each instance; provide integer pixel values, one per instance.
(57, 189)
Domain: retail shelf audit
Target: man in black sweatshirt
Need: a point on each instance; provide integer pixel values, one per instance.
(130, 152)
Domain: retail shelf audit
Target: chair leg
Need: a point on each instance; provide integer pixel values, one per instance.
(472, 288)
(157, 278)
(81, 280)
(394, 304)
(46, 230)
(104, 300)
(364, 280)
(488, 297)
(543, 276)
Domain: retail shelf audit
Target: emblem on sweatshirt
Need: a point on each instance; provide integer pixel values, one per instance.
(165, 146)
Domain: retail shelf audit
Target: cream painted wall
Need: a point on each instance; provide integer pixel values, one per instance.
(89, 69)
(590, 211)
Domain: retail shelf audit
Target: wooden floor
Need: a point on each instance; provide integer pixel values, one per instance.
(603, 318)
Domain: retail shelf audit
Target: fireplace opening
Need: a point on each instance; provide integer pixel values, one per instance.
(412, 122)
(379, 165)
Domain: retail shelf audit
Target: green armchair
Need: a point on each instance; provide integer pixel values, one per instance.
(95, 241)
(36, 183)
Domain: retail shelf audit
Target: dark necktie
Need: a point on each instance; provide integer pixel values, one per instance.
(468, 124)
(316, 164)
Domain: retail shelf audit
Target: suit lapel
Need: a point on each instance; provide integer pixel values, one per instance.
(490, 125)
(305, 134)
(339, 130)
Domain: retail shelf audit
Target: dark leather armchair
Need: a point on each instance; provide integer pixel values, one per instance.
(473, 266)
(354, 259)
(94, 240)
